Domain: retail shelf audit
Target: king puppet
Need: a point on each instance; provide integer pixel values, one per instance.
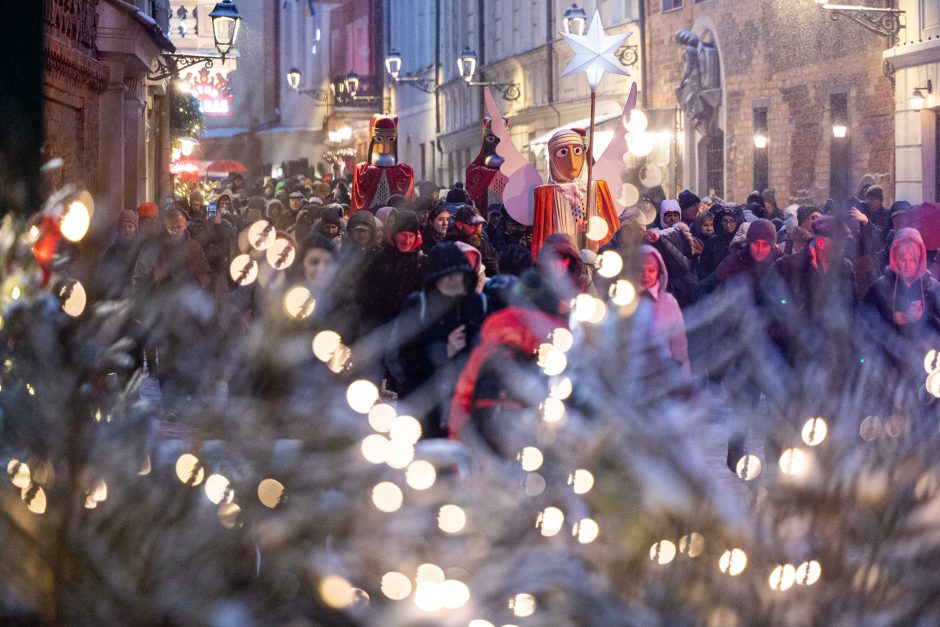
(582, 197)
(484, 180)
(381, 176)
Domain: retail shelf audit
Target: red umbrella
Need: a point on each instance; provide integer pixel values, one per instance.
(926, 219)
(226, 166)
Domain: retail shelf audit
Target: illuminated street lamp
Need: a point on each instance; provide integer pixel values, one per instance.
(918, 98)
(187, 144)
(293, 78)
(352, 84)
(575, 20)
(467, 67)
(760, 140)
(393, 64)
(225, 22)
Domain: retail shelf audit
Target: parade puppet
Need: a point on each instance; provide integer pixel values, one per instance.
(583, 196)
(485, 182)
(381, 176)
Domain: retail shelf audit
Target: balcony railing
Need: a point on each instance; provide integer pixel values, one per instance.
(369, 93)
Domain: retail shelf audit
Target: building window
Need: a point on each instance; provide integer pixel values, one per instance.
(712, 155)
(671, 5)
(761, 147)
(424, 161)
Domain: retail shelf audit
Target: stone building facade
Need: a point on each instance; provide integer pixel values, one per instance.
(786, 71)
(102, 118)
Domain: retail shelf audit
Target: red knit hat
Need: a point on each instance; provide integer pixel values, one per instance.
(147, 210)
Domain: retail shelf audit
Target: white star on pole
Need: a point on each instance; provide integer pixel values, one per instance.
(594, 53)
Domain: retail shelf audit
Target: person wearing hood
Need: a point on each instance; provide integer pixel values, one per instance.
(756, 258)
(499, 391)
(907, 296)
(772, 210)
(434, 333)
(387, 216)
(117, 265)
(667, 322)
(395, 272)
(678, 249)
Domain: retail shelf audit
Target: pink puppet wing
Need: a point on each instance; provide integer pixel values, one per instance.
(521, 176)
(609, 166)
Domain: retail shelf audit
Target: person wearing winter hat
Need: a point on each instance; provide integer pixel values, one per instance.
(772, 210)
(395, 272)
(689, 204)
(148, 220)
(117, 264)
(330, 225)
(753, 261)
(430, 340)
(907, 296)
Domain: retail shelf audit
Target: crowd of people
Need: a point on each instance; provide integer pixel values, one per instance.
(445, 306)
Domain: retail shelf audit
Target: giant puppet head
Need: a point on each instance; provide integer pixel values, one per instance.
(490, 141)
(566, 154)
(383, 149)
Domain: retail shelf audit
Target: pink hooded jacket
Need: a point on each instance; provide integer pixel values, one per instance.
(668, 324)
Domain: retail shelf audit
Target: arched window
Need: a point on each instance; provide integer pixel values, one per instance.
(711, 153)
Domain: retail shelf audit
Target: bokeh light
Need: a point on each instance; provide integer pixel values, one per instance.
(782, 577)
(692, 544)
(597, 229)
(550, 521)
(793, 462)
(405, 429)
(815, 431)
(552, 360)
(561, 389)
(623, 293)
(420, 475)
(808, 573)
(553, 410)
(387, 497)
(586, 530)
(531, 458)
(396, 586)
(663, 552)
(399, 454)
(609, 264)
(362, 395)
(451, 518)
(325, 344)
(337, 592)
(429, 596)
(375, 448)
(73, 298)
(456, 594)
(381, 416)
(299, 302)
(281, 253)
(243, 270)
(75, 221)
(230, 515)
(261, 235)
(733, 562)
(582, 481)
(218, 489)
(270, 492)
(522, 605)
(748, 467)
(189, 469)
(562, 339)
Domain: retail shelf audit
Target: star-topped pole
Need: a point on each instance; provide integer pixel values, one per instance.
(594, 55)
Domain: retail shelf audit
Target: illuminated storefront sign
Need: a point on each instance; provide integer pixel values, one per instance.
(213, 93)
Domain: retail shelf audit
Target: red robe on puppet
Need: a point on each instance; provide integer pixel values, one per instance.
(381, 176)
(484, 181)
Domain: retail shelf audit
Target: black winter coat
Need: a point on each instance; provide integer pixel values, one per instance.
(417, 355)
(392, 276)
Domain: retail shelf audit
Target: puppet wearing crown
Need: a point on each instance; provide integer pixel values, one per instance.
(484, 181)
(381, 176)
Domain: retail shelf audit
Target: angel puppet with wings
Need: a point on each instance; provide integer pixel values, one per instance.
(562, 204)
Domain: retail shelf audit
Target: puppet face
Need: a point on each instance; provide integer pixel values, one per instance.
(567, 161)
(384, 147)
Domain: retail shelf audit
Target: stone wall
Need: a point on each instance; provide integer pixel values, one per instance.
(792, 54)
(73, 80)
